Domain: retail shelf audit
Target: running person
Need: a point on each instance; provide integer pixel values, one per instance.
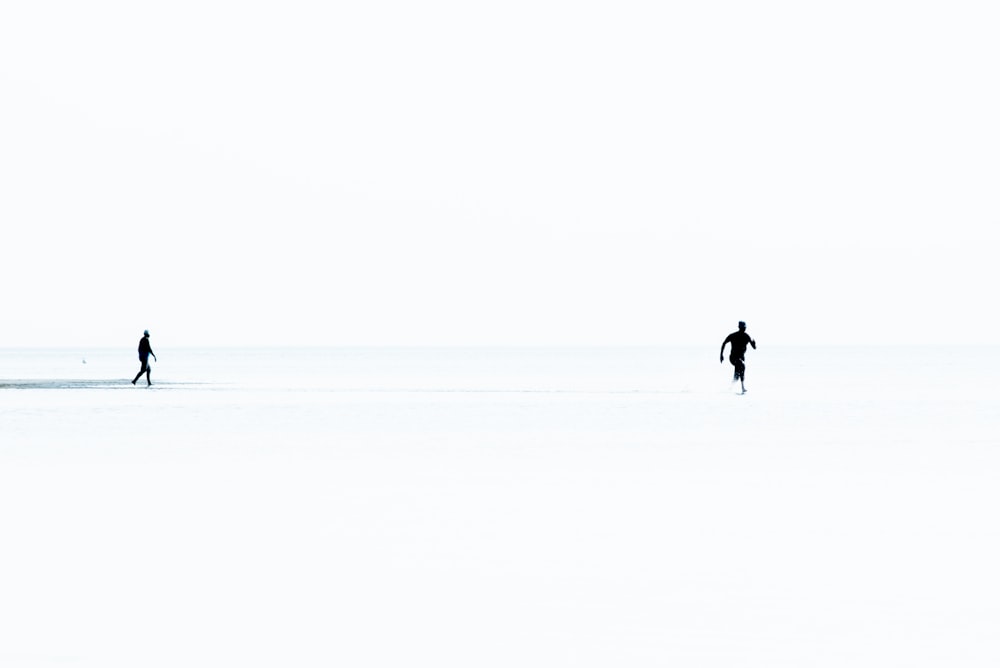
(144, 352)
(738, 348)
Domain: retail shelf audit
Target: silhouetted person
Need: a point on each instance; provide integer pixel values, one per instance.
(144, 352)
(738, 342)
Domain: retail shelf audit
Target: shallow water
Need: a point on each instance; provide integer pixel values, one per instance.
(544, 507)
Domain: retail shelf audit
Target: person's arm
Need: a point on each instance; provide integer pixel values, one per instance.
(153, 354)
(722, 350)
(753, 344)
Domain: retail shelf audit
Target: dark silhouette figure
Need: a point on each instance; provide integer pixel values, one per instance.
(144, 352)
(738, 342)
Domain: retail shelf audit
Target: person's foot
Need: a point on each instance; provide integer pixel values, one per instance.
(133, 382)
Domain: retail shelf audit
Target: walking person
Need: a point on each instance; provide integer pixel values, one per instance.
(738, 342)
(144, 352)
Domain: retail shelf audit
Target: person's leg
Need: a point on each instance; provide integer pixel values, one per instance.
(148, 369)
(739, 368)
(144, 369)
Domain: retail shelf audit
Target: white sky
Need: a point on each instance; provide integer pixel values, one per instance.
(498, 173)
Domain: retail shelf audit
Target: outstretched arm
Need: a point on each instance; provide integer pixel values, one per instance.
(722, 350)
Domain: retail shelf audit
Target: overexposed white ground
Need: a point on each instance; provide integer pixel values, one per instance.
(490, 514)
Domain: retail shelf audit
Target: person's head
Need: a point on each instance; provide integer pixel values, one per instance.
(743, 325)
(146, 333)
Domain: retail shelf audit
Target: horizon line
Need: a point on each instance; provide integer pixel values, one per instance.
(238, 346)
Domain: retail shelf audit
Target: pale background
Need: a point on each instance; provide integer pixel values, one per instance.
(482, 174)
(498, 173)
